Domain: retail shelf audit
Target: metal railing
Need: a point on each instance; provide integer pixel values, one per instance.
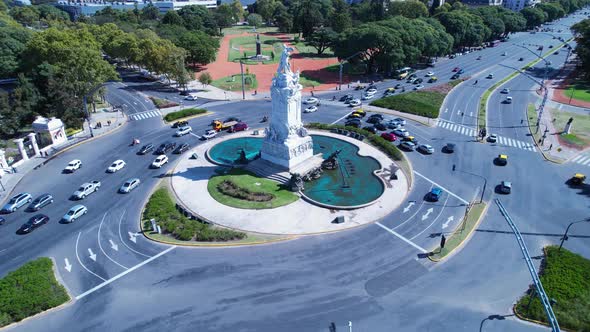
(538, 286)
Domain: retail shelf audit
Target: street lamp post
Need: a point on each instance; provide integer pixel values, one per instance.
(485, 182)
(341, 64)
(568, 228)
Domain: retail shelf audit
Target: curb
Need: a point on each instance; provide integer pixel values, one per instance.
(466, 239)
(538, 147)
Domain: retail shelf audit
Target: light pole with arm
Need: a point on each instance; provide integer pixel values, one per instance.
(90, 93)
(341, 64)
(568, 228)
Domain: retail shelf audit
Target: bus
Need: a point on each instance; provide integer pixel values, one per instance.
(403, 72)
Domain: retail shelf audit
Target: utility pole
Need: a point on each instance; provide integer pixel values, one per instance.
(567, 229)
(88, 115)
(341, 64)
(242, 72)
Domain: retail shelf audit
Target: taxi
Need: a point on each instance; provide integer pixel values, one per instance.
(360, 112)
(578, 178)
(502, 160)
(433, 79)
(410, 139)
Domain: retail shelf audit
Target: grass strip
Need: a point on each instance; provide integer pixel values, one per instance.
(29, 290)
(234, 82)
(162, 103)
(185, 113)
(566, 279)
(461, 233)
(307, 82)
(423, 103)
(250, 183)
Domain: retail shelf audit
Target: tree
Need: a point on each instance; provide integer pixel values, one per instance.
(237, 10)
(205, 79)
(12, 44)
(552, 9)
(201, 48)
(26, 15)
(198, 18)
(254, 20)
(150, 12)
(513, 22)
(266, 9)
(582, 35)
(322, 39)
(283, 19)
(533, 16)
(224, 16)
(467, 29)
(341, 19)
(172, 18)
(9, 119)
(409, 9)
(307, 16)
(492, 19)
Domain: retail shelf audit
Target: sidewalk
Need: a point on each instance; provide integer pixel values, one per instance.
(10, 180)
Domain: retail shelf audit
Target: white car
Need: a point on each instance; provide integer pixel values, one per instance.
(160, 161)
(407, 145)
(400, 121)
(401, 132)
(425, 148)
(311, 100)
(73, 166)
(354, 103)
(209, 134)
(183, 131)
(505, 90)
(116, 166)
(419, 87)
(508, 100)
(74, 213)
(493, 138)
(429, 74)
(367, 96)
(310, 109)
(129, 185)
(191, 97)
(371, 91)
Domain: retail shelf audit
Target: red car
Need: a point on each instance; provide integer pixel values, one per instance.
(389, 136)
(240, 126)
(456, 69)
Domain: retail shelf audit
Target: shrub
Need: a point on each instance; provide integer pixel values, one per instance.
(184, 113)
(29, 290)
(163, 103)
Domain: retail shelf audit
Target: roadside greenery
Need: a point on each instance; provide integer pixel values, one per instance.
(234, 82)
(566, 278)
(307, 81)
(29, 290)
(185, 113)
(163, 103)
(162, 208)
(423, 103)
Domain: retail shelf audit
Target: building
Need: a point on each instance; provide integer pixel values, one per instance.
(91, 7)
(518, 5)
(478, 3)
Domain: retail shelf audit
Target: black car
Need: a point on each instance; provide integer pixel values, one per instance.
(165, 147)
(232, 118)
(352, 123)
(380, 126)
(2, 221)
(397, 86)
(371, 129)
(40, 202)
(146, 148)
(418, 81)
(179, 124)
(33, 223)
(373, 120)
(449, 148)
(181, 148)
(378, 116)
(520, 59)
(343, 98)
(454, 77)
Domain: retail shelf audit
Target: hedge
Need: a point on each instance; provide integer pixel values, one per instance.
(184, 113)
(162, 208)
(423, 103)
(163, 103)
(382, 144)
(29, 290)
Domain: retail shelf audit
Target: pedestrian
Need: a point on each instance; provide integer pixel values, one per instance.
(554, 120)
(462, 114)
(550, 147)
(255, 92)
(312, 93)
(108, 122)
(348, 85)
(521, 121)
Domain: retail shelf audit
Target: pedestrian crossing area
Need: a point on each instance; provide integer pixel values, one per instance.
(463, 130)
(145, 115)
(582, 160)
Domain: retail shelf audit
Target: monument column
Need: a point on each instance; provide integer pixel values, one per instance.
(33, 139)
(21, 148)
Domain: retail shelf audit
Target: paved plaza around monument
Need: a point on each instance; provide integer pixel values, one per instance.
(189, 182)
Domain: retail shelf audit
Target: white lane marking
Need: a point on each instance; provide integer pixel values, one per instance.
(121, 237)
(519, 144)
(435, 219)
(463, 131)
(582, 160)
(341, 118)
(106, 282)
(197, 136)
(100, 245)
(412, 216)
(67, 266)
(500, 140)
(402, 238)
(586, 162)
(446, 109)
(92, 255)
(576, 158)
(441, 187)
(82, 264)
(511, 142)
(458, 111)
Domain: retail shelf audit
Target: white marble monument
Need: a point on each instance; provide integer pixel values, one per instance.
(287, 143)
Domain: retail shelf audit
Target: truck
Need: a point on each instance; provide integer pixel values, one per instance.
(219, 125)
(86, 189)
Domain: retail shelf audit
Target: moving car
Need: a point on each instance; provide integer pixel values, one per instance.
(2, 220)
(419, 87)
(355, 102)
(371, 91)
(311, 100)
(40, 202)
(490, 76)
(240, 126)
(180, 124)
(505, 90)
(191, 97)
(493, 138)
(456, 76)
(86, 189)
(33, 223)
(16, 202)
(401, 121)
(461, 71)
(408, 146)
(165, 147)
(456, 69)
(389, 136)
(310, 109)
(182, 148)
(505, 54)
(401, 132)
(425, 148)
(429, 74)
(115, 166)
(183, 131)
(160, 161)
(434, 194)
(74, 213)
(478, 58)
(556, 53)
(508, 100)
(578, 179)
(146, 148)
(449, 148)
(433, 79)
(209, 134)
(502, 160)
(520, 59)
(73, 166)
(345, 97)
(505, 187)
(129, 185)
(367, 96)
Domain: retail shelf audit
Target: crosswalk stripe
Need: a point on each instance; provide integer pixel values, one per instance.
(462, 131)
(531, 148)
(472, 132)
(581, 160)
(455, 128)
(575, 160)
(445, 124)
(500, 140)
(519, 144)
(512, 142)
(586, 162)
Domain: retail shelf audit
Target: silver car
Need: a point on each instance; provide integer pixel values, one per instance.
(129, 185)
(40, 202)
(17, 202)
(425, 148)
(74, 213)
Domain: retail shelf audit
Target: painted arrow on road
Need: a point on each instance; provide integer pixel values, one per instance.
(132, 237)
(92, 255)
(428, 212)
(114, 245)
(68, 265)
(407, 208)
(446, 223)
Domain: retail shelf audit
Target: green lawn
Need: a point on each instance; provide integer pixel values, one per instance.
(579, 91)
(423, 103)
(349, 69)
(246, 180)
(308, 82)
(312, 52)
(247, 45)
(29, 290)
(580, 133)
(234, 82)
(236, 30)
(566, 278)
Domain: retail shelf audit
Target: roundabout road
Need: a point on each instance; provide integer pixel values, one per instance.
(374, 276)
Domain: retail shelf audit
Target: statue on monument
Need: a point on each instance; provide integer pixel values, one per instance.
(285, 66)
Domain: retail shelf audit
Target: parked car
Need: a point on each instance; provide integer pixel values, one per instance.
(33, 223)
(146, 148)
(351, 123)
(116, 166)
(182, 148)
(159, 161)
(240, 126)
(73, 166)
(86, 189)
(425, 148)
(181, 123)
(354, 115)
(493, 138)
(40, 202)
(311, 100)
(505, 91)
(389, 136)
(184, 130)
(165, 147)
(505, 187)
(371, 129)
(129, 185)
(449, 148)
(434, 194)
(310, 109)
(360, 112)
(380, 126)
(373, 120)
(16, 202)
(209, 134)
(401, 132)
(74, 213)
(408, 146)
(377, 115)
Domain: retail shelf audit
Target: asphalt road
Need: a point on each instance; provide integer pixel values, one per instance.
(378, 280)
